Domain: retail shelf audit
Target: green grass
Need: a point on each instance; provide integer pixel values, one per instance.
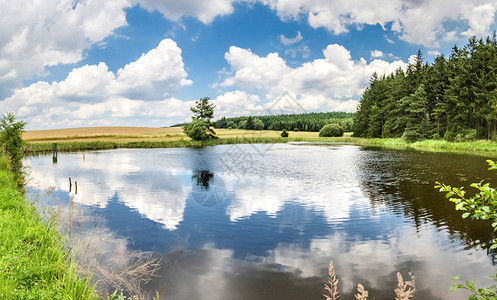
(481, 146)
(33, 260)
(97, 145)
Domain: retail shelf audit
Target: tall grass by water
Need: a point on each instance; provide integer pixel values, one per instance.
(104, 145)
(34, 263)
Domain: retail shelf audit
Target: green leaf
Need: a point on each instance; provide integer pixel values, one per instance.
(465, 215)
(454, 287)
(470, 284)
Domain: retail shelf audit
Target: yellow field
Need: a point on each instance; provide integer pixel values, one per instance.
(136, 134)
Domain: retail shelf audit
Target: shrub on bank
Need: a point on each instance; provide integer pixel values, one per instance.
(331, 130)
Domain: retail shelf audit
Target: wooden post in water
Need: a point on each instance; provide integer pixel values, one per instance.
(70, 184)
(75, 187)
(54, 153)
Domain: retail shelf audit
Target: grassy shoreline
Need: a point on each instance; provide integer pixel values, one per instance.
(106, 145)
(34, 263)
(101, 138)
(480, 146)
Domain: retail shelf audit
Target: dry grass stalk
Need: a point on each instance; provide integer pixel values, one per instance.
(332, 285)
(405, 289)
(362, 293)
(129, 277)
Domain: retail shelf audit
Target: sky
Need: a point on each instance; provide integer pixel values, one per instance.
(69, 63)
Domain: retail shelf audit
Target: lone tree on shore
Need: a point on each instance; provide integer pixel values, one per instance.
(200, 128)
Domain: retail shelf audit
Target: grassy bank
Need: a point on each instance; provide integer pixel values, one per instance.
(33, 260)
(103, 145)
(100, 138)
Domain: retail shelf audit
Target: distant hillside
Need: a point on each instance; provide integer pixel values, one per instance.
(302, 122)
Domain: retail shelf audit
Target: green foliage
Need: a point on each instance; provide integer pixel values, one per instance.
(196, 130)
(11, 139)
(331, 130)
(33, 262)
(258, 124)
(203, 110)
(284, 133)
(467, 135)
(459, 94)
(481, 206)
(200, 129)
(302, 122)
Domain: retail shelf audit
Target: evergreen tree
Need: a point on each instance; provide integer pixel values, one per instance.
(203, 112)
(418, 123)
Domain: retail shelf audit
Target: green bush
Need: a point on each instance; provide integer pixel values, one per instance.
(467, 136)
(11, 139)
(436, 136)
(481, 206)
(450, 135)
(284, 133)
(295, 129)
(196, 130)
(411, 136)
(331, 130)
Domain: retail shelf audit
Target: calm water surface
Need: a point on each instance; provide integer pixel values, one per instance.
(263, 221)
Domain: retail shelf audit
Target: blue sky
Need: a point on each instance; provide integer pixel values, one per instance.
(70, 63)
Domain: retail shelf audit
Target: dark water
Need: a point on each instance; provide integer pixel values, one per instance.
(263, 221)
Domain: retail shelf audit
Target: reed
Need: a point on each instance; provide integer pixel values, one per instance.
(405, 289)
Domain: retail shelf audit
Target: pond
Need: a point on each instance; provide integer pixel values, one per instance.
(263, 221)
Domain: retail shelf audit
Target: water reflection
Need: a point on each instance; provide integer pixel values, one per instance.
(269, 231)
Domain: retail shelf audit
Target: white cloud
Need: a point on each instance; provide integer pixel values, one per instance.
(419, 22)
(376, 53)
(92, 94)
(252, 71)
(303, 50)
(433, 52)
(289, 41)
(205, 10)
(320, 84)
(237, 103)
(155, 75)
(34, 34)
(480, 18)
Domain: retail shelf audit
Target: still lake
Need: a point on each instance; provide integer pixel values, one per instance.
(263, 221)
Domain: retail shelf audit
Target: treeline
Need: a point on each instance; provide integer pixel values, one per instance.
(454, 98)
(301, 122)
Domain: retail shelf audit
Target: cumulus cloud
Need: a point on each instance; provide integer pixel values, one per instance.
(329, 83)
(420, 22)
(237, 103)
(34, 34)
(92, 94)
(289, 41)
